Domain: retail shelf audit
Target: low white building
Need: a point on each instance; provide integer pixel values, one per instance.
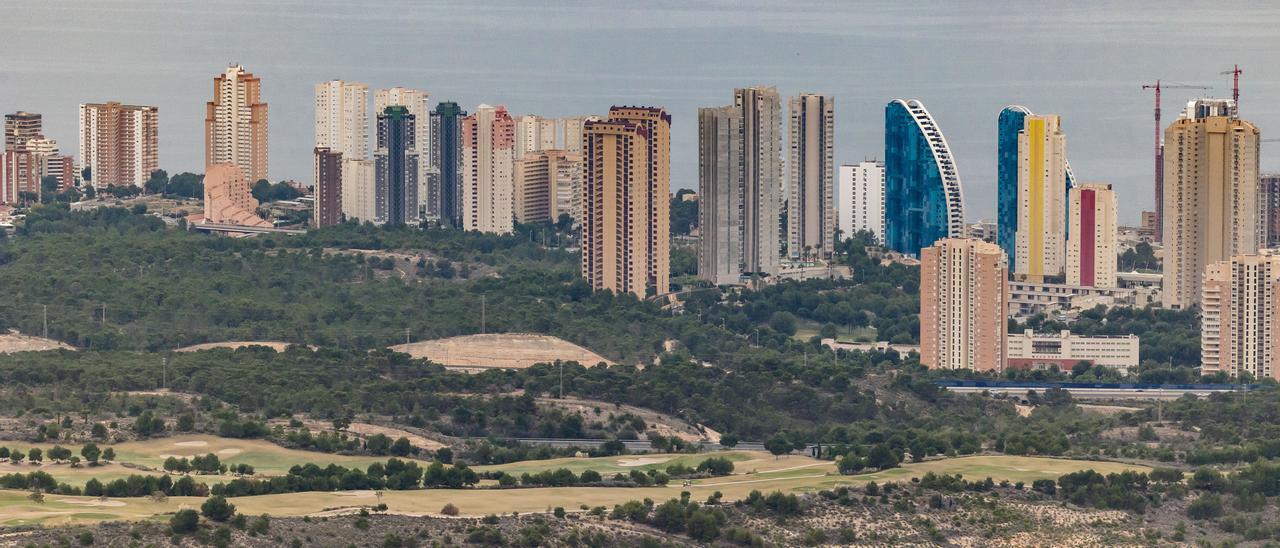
(1031, 350)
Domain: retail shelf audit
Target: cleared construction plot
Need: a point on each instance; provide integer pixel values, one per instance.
(500, 351)
(14, 341)
(278, 346)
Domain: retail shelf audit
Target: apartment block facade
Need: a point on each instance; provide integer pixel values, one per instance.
(963, 296)
(119, 144)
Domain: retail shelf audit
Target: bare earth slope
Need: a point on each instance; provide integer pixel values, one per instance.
(499, 350)
(13, 341)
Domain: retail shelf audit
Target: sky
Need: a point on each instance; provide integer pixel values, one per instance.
(1085, 61)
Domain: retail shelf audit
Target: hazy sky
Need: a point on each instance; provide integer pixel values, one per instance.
(1085, 61)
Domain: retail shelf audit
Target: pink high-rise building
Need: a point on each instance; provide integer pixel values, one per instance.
(964, 296)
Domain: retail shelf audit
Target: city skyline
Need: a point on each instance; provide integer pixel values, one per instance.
(1113, 143)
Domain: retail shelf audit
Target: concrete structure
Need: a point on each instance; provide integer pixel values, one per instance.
(986, 230)
(342, 118)
(417, 102)
(1009, 124)
(963, 296)
(1269, 197)
(1027, 299)
(616, 207)
(119, 144)
(740, 186)
(1042, 167)
(924, 199)
(19, 173)
(1240, 316)
(811, 218)
(534, 133)
(327, 206)
(358, 190)
(1031, 350)
(657, 238)
(228, 199)
(235, 123)
(572, 130)
(444, 168)
(1211, 206)
(49, 162)
(396, 168)
(548, 184)
(861, 199)
(20, 127)
(488, 160)
(1092, 248)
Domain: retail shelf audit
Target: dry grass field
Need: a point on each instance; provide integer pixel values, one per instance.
(499, 350)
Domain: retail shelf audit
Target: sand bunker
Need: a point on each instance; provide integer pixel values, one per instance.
(195, 443)
(96, 502)
(359, 494)
(230, 451)
(642, 461)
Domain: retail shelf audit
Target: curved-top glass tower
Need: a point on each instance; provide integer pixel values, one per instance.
(923, 199)
(1010, 122)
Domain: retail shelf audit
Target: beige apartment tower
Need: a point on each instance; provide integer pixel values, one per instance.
(119, 144)
(811, 217)
(548, 184)
(1240, 316)
(1042, 169)
(1092, 249)
(342, 118)
(963, 302)
(1211, 207)
(616, 207)
(235, 123)
(657, 125)
(488, 162)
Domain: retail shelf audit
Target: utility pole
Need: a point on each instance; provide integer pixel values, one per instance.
(104, 314)
(561, 379)
(46, 321)
(406, 335)
(482, 313)
(164, 375)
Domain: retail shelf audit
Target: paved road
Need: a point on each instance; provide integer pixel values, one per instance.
(1094, 393)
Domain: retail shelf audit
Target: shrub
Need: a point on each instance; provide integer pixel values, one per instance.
(217, 508)
(185, 521)
(1208, 506)
(450, 510)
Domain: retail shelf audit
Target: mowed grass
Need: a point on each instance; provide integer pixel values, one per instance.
(623, 463)
(790, 474)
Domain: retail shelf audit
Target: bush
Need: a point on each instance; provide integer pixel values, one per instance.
(1045, 486)
(450, 510)
(217, 508)
(1208, 506)
(185, 521)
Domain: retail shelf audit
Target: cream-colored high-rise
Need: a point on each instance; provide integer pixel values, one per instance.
(342, 118)
(1042, 170)
(235, 123)
(1211, 206)
(616, 206)
(535, 133)
(964, 295)
(1092, 236)
(119, 143)
(811, 220)
(548, 184)
(657, 217)
(1240, 316)
(488, 164)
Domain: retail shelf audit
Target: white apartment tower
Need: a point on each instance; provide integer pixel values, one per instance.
(861, 199)
(1042, 168)
(488, 164)
(1240, 316)
(342, 118)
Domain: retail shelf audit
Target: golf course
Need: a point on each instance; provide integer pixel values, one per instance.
(752, 471)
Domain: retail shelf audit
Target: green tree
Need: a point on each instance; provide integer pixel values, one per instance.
(184, 521)
(90, 452)
(778, 444)
(217, 508)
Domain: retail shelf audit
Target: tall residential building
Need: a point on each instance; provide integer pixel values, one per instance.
(235, 123)
(20, 127)
(228, 199)
(1042, 167)
(740, 186)
(1009, 124)
(19, 174)
(1092, 249)
(1211, 206)
(342, 118)
(573, 132)
(616, 207)
(534, 133)
(49, 162)
(1240, 316)
(657, 125)
(861, 206)
(811, 218)
(396, 167)
(328, 191)
(548, 184)
(417, 101)
(119, 144)
(924, 199)
(444, 170)
(359, 191)
(1269, 189)
(963, 302)
(488, 161)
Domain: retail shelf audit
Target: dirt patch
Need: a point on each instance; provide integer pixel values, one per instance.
(95, 502)
(14, 341)
(500, 350)
(1023, 410)
(195, 443)
(278, 346)
(364, 429)
(1106, 409)
(661, 423)
(230, 451)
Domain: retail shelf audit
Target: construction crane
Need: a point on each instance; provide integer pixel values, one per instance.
(1159, 172)
(1235, 83)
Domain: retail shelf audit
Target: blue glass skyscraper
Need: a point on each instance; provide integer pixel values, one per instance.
(1009, 124)
(923, 199)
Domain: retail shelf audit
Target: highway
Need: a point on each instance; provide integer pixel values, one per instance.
(1087, 391)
